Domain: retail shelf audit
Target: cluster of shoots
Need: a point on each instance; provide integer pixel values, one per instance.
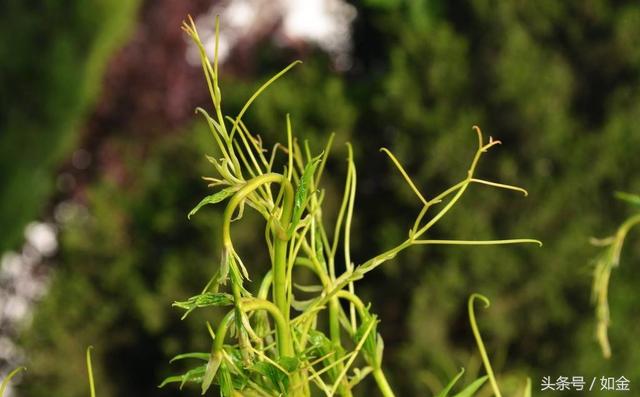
(608, 259)
(269, 343)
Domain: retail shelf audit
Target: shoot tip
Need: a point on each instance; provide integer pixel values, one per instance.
(481, 297)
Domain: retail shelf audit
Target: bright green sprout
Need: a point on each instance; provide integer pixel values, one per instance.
(278, 344)
(605, 262)
(475, 386)
(92, 387)
(481, 348)
(5, 381)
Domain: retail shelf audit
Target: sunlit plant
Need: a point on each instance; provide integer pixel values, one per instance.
(270, 343)
(609, 259)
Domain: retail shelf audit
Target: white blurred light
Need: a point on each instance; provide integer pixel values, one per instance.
(42, 236)
(15, 308)
(326, 23)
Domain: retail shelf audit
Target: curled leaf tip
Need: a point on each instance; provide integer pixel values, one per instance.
(481, 297)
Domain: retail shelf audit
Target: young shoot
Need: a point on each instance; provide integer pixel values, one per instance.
(7, 379)
(270, 342)
(605, 263)
(475, 386)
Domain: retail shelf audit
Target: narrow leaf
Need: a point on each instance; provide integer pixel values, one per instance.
(473, 387)
(628, 197)
(211, 370)
(447, 389)
(300, 198)
(193, 375)
(205, 300)
(197, 355)
(309, 288)
(213, 199)
(301, 305)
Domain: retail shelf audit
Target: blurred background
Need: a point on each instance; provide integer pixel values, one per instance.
(101, 157)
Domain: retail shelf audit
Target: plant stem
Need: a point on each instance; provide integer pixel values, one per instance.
(280, 275)
(248, 188)
(282, 328)
(334, 334)
(382, 382)
(481, 348)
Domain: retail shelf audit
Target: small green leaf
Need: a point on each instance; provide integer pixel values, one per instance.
(370, 347)
(204, 300)
(289, 363)
(309, 288)
(321, 346)
(197, 355)
(472, 388)
(225, 381)
(628, 197)
(275, 376)
(300, 198)
(301, 305)
(193, 375)
(170, 379)
(210, 370)
(379, 349)
(213, 199)
(447, 389)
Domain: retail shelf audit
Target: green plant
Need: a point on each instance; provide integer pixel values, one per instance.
(605, 263)
(7, 379)
(474, 386)
(92, 386)
(283, 345)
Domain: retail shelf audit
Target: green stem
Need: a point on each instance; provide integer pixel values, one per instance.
(265, 286)
(620, 236)
(285, 344)
(334, 334)
(280, 275)
(249, 187)
(92, 387)
(378, 374)
(221, 332)
(6, 380)
(476, 334)
(334, 321)
(382, 382)
(280, 243)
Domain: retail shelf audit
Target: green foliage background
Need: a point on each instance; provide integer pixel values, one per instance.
(557, 82)
(52, 59)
